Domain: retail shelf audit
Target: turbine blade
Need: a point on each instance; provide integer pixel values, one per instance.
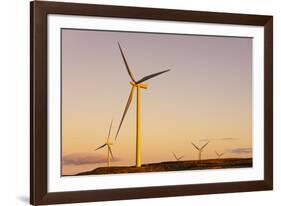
(110, 152)
(109, 131)
(195, 146)
(126, 109)
(175, 155)
(100, 147)
(204, 146)
(180, 157)
(126, 64)
(151, 76)
(217, 153)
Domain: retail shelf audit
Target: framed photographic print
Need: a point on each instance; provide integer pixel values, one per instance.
(131, 102)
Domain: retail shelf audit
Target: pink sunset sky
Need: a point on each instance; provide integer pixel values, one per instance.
(207, 96)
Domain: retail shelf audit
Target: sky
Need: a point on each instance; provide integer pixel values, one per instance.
(207, 96)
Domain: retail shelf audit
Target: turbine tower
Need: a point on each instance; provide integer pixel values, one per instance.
(177, 158)
(138, 85)
(219, 154)
(108, 144)
(200, 150)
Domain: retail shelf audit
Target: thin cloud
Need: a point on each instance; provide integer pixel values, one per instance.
(241, 150)
(85, 158)
(218, 139)
(227, 138)
(204, 140)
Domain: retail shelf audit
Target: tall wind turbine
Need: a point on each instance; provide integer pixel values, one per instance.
(108, 144)
(177, 158)
(200, 150)
(138, 85)
(219, 154)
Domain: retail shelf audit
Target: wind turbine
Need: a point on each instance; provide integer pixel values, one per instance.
(138, 85)
(108, 144)
(177, 158)
(200, 150)
(219, 154)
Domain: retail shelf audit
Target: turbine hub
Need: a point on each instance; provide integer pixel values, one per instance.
(140, 85)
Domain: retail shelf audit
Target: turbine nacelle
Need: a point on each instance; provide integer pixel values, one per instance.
(138, 85)
(135, 84)
(141, 85)
(108, 144)
(176, 157)
(219, 155)
(200, 149)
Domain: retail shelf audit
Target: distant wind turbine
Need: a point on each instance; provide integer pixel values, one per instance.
(219, 154)
(177, 158)
(108, 144)
(138, 85)
(200, 150)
